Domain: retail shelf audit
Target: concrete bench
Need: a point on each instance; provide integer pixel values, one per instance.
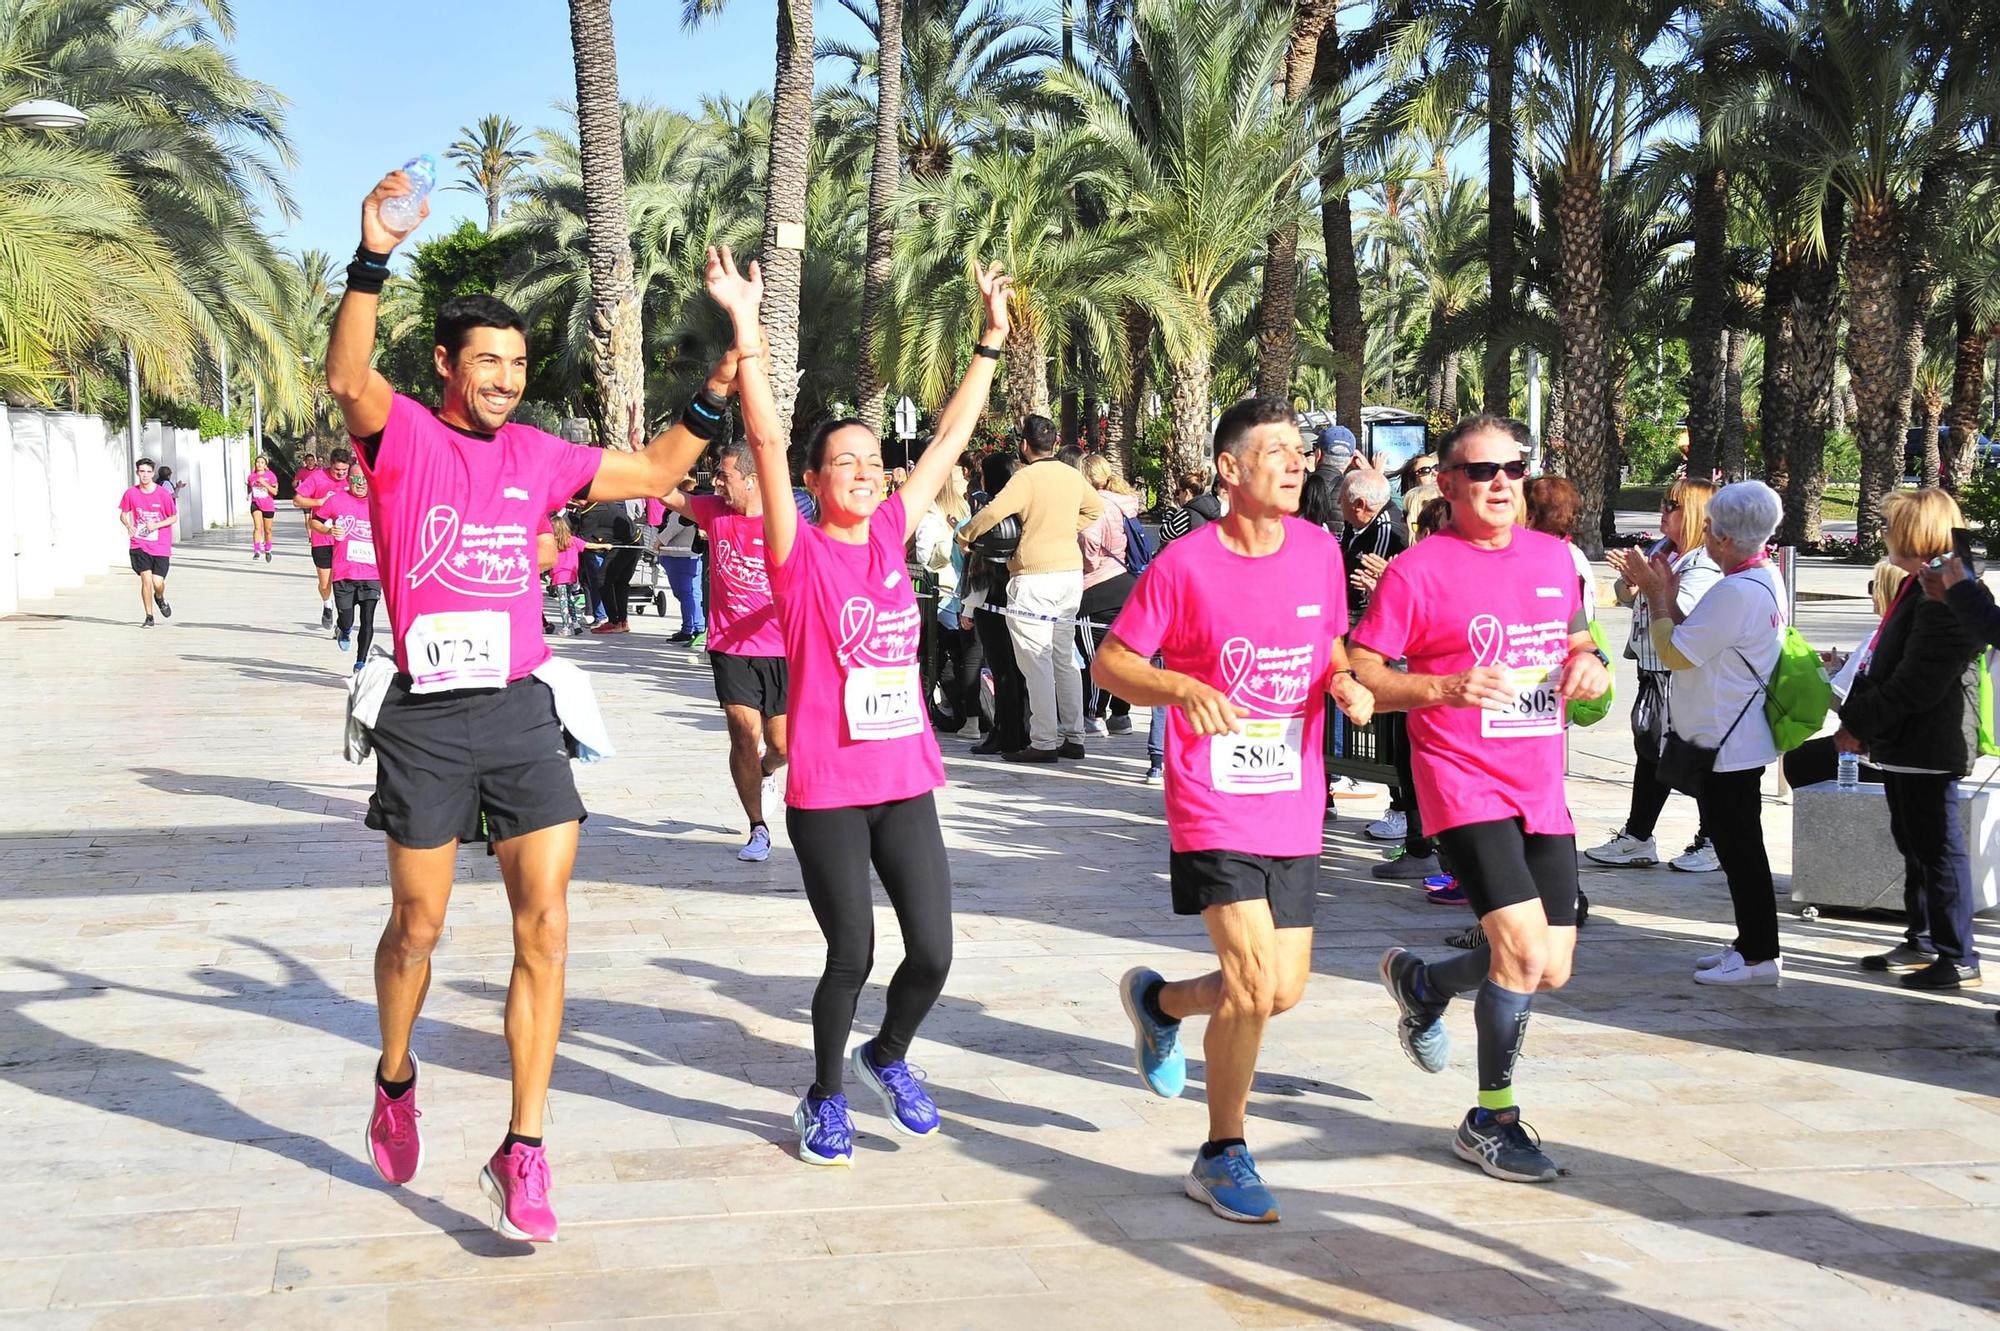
(1843, 856)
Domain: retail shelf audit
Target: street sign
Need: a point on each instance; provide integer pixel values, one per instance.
(906, 419)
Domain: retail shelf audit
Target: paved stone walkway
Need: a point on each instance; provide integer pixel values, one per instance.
(189, 905)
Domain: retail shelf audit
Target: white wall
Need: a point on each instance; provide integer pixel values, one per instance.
(60, 463)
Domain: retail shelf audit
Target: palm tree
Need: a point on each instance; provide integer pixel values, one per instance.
(1584, 97)
(613, 333)
(1278, 311)
(1023, 209)
(884, 178)
(193, 151)
(491, 163)
(1205, 153)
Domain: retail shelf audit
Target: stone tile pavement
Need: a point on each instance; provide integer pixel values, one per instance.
(189, 905)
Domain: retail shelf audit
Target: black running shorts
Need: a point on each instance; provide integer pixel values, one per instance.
(442, 760)
(348, 592)
(1204, 878)
(322, 556)
(145, 563)
(1500, 864)
(750, 681)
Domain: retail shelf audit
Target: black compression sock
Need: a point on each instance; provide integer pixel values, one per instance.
(1209, 1150)
(516, 1139)
(395, 1090)
(1150, 1000)
(1457, 975)
(1501, 1016)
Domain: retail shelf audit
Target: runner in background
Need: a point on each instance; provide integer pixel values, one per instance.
(262, 484)
(357, 585)
(309, 494)
(565, 575)
(148, 514)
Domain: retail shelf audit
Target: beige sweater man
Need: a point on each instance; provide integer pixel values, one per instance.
(1054, 504)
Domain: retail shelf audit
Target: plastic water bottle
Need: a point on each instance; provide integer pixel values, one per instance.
(400, 213)
(1850, 771)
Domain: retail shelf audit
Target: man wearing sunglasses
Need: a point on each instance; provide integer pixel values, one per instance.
(1489, 617)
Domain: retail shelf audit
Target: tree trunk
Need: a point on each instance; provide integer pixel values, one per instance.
(1968, 371)
(1615, 416)
(1027, 373)
(1278, 312)
(616, 343)
(1815, 333)
(1582, 313)
(1774, 405)
(1874, 346)
(492, 211)
(1128, 422)
(1346, 333)
(1735, 434)
(1933, 417)
(885, 176)
(1708, 344)
(1497, 392)
(1555, 432)
(783, 259)
(1188, 379)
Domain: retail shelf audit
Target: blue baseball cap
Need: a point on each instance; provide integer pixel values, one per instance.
(1337, 440)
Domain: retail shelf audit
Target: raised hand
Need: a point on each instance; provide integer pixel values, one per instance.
(994, 288)
(740, 294)
(376, 234)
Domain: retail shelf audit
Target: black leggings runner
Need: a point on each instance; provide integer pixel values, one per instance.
(835, 848)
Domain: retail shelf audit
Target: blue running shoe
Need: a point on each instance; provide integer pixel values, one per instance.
(1503, 1147)
(903, 1097)
(1156, 1048)
(1421, 1029)
(1230, 1185)
(826, 1133)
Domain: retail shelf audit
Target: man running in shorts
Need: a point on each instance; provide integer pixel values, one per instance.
(1490, 618)
(149, 514)
(262, 483)
(357, 583)
(468, 743)
(1247, 614)
(746, 644)
(312, 491)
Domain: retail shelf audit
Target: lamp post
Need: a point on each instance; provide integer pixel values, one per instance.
(43, 113)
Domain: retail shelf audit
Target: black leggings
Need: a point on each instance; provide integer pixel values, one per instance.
(358, 615)
(619, 565)
(1732, 809)
(958, 661)
(1010, 686)
(835, 848)
(1099, 607)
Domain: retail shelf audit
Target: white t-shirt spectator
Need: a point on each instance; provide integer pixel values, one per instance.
(1733, 636)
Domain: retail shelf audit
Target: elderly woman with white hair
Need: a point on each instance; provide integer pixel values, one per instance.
(1722, 653)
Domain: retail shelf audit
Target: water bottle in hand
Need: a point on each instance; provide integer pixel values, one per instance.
(400, 213)
(1850, 771)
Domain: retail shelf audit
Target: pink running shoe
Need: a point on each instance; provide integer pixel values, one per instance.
(395, 1146)
(516, 1181)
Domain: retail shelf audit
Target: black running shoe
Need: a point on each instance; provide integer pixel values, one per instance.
(326, 617)
(166, 611)
(148, 624)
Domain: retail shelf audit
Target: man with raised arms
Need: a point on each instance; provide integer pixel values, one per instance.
(467, 741)
(1490, 618)
(746, 644)
(1247, 614)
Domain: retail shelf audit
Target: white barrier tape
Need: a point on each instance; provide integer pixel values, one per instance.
(1012, 613)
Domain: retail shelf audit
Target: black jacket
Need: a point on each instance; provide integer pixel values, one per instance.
(1977, 615)
(1917, 705)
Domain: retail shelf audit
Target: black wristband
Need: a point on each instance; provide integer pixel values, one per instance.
(981, 349)
(366, 278)
(366, 255)
(710, 404)
(701, 421)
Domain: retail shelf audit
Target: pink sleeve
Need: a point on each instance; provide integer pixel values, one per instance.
(702, 510)
(1386, 628)
(1151, 610)
(569, 468)
(656, 513)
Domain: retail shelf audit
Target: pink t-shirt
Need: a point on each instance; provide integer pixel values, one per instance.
(656, 513)
(859, 730)
(151, 514)
(456, 516)
(742, 620)
(1448, 605)
(1262, 632)
(317, 484)
(266, 481)
(564, 570)
(353, 537)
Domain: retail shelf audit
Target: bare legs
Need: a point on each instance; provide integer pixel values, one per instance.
(756, 749)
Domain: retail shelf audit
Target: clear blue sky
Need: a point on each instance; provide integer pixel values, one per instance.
(373, 83)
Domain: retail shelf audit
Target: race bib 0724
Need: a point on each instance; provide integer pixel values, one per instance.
(458, 649)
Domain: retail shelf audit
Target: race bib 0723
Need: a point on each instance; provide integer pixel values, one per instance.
(882, 702)
(458, 649)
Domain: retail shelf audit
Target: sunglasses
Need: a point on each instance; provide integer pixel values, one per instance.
(1426, 471)
(1670, 506)
(1483, 472)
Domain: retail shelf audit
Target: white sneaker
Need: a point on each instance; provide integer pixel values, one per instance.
(1347, 788)
(773, 789)
(1095, 726)
(1714, 959)
(1699, 857)
(1734, 971)
(758, 848)
(1625, 850)
(1391, 826)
